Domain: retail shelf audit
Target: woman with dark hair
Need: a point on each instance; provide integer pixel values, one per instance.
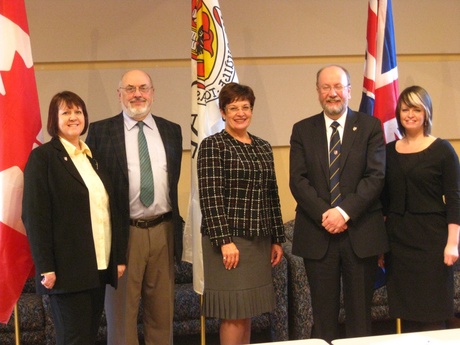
(71, 224)
(242, 226)
(422, 202)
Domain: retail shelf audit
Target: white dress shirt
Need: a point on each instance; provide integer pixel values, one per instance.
(161, 203)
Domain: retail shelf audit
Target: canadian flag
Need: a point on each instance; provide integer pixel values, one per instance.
(20, 132)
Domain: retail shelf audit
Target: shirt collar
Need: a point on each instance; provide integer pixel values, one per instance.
(75, 151)
(130, 122)
(341, 120)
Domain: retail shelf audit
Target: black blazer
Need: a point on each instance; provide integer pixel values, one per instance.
(107, 139)
(56, 215)
(361, 182)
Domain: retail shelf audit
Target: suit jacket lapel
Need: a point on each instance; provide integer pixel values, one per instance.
(349, 135)
(117, 133)
(66, 161)
(321, 143)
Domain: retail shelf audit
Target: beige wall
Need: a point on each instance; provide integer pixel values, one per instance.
(278, 46)
(86, 45)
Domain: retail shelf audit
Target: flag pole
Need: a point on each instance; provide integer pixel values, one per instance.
(212, 67)
(16, 325)
(398, 325)
(203, 323)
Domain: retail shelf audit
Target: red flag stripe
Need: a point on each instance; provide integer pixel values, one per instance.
(20, 131)
(380, 84)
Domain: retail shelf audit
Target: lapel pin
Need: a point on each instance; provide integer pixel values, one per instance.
(65, 158)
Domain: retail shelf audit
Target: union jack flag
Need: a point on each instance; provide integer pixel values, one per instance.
(380, 86)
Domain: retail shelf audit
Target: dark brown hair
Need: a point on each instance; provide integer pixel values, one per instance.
(233, 92)
(69, 99)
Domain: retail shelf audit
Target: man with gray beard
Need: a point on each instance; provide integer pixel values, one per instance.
(337, 171)
(142, 152)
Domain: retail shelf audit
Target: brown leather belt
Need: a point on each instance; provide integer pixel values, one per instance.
(149, 223)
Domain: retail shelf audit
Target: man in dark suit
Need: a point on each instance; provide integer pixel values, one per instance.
(154, 227)
(339, 229)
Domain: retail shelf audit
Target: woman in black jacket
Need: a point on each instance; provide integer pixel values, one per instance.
(71, 224)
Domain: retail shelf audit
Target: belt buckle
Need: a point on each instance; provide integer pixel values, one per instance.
(140, 223)
(144, 224)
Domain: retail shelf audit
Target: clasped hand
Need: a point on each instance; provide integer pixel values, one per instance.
(333, 221)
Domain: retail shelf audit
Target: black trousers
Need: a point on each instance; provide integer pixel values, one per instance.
(341, 267)
(77, 315)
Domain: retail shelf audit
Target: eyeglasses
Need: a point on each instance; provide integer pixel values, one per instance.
(132, 89)
(328, 88)
(234, 110)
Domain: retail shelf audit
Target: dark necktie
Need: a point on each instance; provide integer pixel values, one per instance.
(334, 165)
(147, 192)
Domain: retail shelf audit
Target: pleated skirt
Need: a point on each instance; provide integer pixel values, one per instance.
(242, 292)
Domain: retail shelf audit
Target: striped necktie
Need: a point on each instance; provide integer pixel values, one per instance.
(147, 192)
(334, 165)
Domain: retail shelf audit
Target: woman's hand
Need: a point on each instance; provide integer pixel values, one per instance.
(381, 261)
(121, 269)
(48, 280)
(450, 254)
(451, 248)
(230, 255)
(276, 254)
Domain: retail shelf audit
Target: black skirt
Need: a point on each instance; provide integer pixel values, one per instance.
(420, 286)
